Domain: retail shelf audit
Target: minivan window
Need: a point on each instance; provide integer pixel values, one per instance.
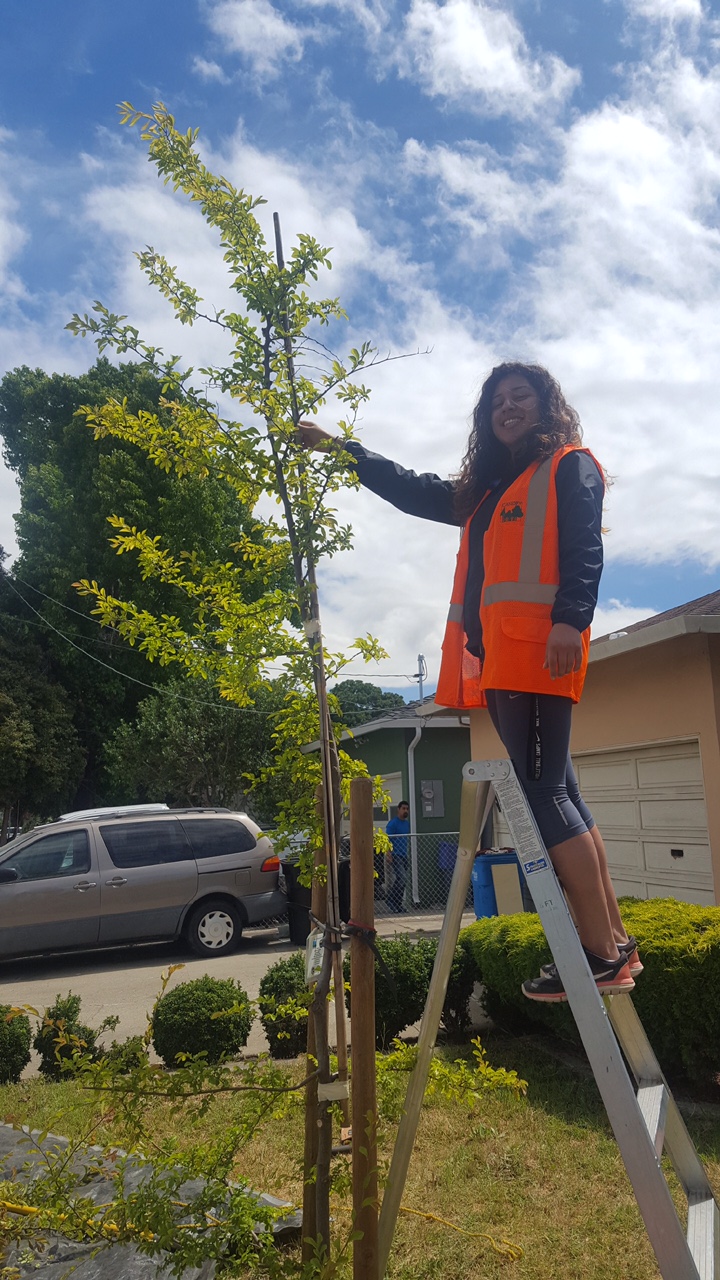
(145, 844)
(66, 853)
(214, 837)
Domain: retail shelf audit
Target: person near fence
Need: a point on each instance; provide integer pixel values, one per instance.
(398, 829)
(528, 499)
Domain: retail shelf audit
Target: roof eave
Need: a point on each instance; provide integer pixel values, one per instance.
(685, 624)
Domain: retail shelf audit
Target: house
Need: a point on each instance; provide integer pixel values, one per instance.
(646, 746)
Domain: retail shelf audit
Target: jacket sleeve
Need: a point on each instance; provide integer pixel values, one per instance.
(425, 495)
(580, 491)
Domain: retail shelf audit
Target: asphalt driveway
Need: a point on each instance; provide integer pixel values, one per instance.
(126, 980)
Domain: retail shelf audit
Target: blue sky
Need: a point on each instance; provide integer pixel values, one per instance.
(536, 178)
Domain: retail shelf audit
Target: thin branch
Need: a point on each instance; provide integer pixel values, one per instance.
(199, 1093)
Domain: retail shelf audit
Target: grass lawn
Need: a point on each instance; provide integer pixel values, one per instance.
(542, 1170)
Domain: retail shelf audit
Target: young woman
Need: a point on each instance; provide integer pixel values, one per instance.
(529, 500)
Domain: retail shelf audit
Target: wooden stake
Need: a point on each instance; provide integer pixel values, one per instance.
(364, 1092)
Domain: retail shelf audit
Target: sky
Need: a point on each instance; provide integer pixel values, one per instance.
(532, 179)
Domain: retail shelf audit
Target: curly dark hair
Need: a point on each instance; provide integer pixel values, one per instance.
(487, 459)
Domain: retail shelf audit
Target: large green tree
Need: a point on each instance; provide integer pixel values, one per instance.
(70, 483)
(360, 701)
(189, 746)
(41, 759)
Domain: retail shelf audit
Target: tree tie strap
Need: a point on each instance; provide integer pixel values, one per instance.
(368, 935)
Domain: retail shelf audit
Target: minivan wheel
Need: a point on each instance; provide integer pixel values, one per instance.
(214, 929)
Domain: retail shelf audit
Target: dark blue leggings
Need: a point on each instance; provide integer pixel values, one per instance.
(535, 731)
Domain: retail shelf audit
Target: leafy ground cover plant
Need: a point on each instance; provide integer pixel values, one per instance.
(210, 1016)
(15, 1037)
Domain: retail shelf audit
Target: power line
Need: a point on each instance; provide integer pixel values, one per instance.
(154, 688)
(356, 675)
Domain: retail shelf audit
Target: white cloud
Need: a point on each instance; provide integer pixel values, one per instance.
(209, 70)
(616, 615)
(257, 31)
(476, 52)
(662, 10)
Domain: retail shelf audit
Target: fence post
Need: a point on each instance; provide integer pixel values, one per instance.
(364, 1093)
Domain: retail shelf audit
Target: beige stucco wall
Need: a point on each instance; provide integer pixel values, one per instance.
(655, 693)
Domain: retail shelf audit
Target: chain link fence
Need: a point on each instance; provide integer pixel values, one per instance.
(419, 883)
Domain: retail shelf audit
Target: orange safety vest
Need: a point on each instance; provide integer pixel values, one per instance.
(521, 558)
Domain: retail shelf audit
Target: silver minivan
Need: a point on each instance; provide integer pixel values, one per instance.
(118, 876)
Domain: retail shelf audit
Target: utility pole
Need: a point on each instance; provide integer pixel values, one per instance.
(421, 675)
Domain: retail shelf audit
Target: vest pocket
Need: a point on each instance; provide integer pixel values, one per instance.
(535, 630)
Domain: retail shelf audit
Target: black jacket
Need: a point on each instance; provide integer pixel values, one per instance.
(580, 497)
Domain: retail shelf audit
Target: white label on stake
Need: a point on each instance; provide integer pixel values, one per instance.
(313, 956)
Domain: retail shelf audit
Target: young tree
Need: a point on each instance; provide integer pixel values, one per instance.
(276, 368)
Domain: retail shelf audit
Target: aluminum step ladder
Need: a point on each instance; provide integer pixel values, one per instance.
(644, 1115)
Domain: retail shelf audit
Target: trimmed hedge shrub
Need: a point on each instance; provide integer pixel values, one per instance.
(183, 1020)
(411, 965)
(14, 1045)
(62, 1019)
(677, 996)
(284, 999)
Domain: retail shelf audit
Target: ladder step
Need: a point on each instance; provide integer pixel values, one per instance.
(703, 1236)
(653, 1103)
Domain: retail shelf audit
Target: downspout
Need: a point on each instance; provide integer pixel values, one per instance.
(414, 878)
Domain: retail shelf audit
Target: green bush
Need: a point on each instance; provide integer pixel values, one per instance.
(411, 965)
(208, 1015)
(284, 999)
(127, 1055)
(60, 1035)
(677, 996)
(14, 1044)
(463, 976)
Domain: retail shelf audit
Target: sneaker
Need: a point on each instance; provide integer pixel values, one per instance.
(610, 976)
(629, 948)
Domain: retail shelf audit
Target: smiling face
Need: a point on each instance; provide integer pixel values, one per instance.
(515, 411)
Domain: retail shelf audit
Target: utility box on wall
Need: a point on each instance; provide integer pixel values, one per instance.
(433, 803)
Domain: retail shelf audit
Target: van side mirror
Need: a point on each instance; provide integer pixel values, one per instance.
(8, 875)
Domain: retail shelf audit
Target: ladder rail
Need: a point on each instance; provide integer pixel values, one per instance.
(637, 1146)
(679, 1146)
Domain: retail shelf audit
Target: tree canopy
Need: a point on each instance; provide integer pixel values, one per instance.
(189, 746)
(360, 701)
(70, 483)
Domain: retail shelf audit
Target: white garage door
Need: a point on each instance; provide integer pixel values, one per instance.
(649, 804)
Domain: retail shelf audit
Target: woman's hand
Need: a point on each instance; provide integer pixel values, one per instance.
(563, 654)
(312, 436)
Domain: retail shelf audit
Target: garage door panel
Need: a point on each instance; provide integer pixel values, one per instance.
(674, 815)
(648, 801)
(606, 774)
(669, 771)
(617, 813)
(628, 888)
(684, 893)
(623, 853)
(694, 859)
